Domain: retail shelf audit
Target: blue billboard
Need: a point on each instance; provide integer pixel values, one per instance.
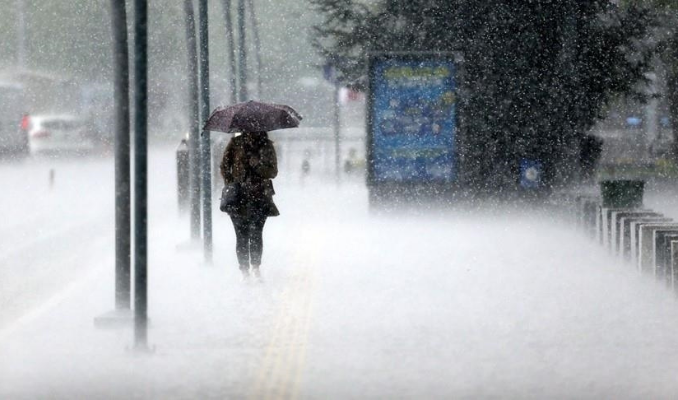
(412, 119)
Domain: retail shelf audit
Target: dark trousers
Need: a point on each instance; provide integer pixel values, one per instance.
(249, 242)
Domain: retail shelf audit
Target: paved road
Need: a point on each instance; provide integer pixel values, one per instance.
(53, 229)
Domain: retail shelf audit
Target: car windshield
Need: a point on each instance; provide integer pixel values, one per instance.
(61, 124)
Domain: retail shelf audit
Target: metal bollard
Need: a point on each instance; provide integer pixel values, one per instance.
(183, 190)
(617, 231)
(628, 233)
(646, 256)
(662, 254)
(673, 271)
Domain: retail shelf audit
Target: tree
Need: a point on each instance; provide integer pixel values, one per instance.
(537, 74)
(668, 52)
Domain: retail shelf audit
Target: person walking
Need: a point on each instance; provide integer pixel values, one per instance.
(250, 161)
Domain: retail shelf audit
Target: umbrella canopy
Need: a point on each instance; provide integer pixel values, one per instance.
(252, 116)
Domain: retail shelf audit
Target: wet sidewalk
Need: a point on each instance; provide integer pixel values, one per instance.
(455, 304)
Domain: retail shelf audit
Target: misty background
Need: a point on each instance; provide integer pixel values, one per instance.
(500, 297)
(70, 43)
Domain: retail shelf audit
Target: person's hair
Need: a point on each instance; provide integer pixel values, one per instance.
(258, 135)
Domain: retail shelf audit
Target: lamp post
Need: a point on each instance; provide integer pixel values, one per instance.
(21, 34)
(122, 314)
(233, 63)
(242, 52)
(141, 175)
(122, 159)
(336, 125)
(194, 120)
(205, 142)
(257, 44)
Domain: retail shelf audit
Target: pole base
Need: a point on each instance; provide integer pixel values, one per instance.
(123, 318)
(140, 349)
(190, 245)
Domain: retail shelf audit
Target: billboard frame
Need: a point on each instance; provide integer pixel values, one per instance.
(380, 189)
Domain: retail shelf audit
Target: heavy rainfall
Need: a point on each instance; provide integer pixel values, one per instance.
(338, 199)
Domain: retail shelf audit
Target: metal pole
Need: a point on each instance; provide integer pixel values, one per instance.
(570, 166)
(651, 127)
(122, 158)
(205, 145)
(337, 131)
(140, 175)
(257, 43)
(233, 63)
(21, 34)
(194, 120)
(242, 52)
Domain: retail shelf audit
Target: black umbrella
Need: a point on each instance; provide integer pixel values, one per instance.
(252, 116)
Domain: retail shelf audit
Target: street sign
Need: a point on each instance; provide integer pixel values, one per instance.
(530, 174)
(330, 73)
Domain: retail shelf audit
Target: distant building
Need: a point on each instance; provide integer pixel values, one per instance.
(46, 92)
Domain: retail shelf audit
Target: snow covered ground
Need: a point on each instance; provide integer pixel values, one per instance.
(490, 303)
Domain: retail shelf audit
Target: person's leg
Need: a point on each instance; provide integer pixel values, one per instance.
(242, 242)
(256, 240)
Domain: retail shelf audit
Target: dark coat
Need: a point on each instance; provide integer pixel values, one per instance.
(250, 159)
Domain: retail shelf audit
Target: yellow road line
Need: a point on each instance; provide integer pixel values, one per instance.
(301, 354)
(280, 374)
(272, 348)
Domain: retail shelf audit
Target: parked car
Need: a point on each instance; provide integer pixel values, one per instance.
(13, 138)
(59, 134)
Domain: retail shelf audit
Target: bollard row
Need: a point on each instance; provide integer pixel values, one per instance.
(644, 238)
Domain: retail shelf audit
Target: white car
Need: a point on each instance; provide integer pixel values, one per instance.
(59, 134)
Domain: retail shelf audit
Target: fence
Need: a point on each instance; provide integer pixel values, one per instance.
(317, 146)
(639, 237)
